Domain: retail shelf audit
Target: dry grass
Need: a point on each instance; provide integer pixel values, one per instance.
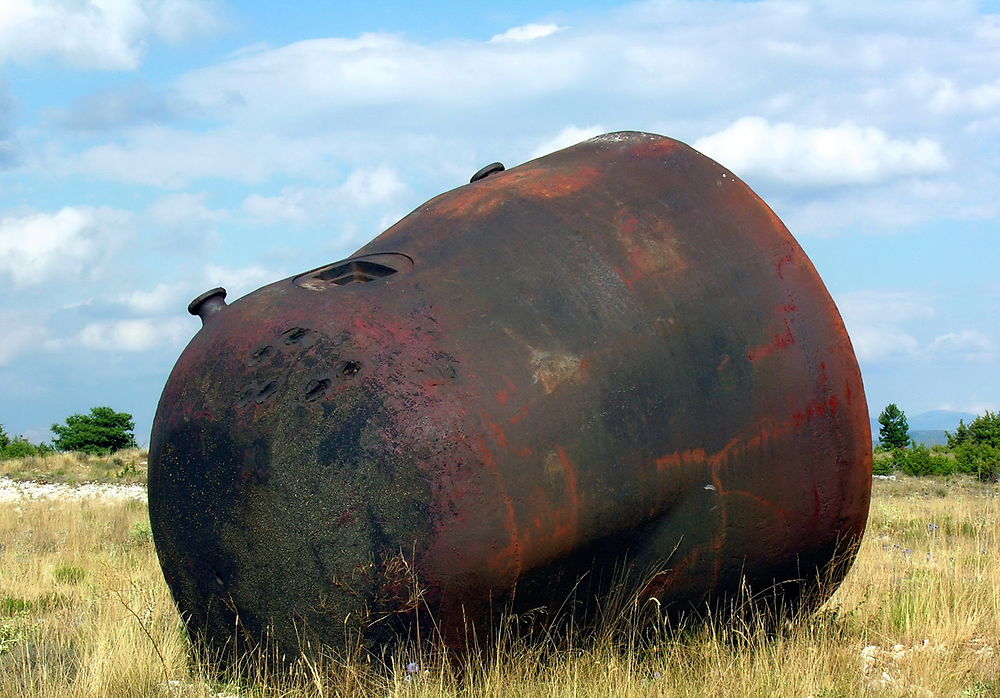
(126, 467)
(84, 612)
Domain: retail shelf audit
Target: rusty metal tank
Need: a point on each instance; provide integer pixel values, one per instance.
(611, 360)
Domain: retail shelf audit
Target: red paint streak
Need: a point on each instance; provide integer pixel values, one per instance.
(815, 408)
(780, 341)
(502, 397)
(346, 518)
(784, 259)
(723, 363)
(526, 452)
(501, 436)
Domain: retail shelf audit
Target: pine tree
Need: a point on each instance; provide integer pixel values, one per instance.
(893, 431)
(101, 431)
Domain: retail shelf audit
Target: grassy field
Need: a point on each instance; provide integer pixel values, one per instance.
(84, 611)
(122, 468)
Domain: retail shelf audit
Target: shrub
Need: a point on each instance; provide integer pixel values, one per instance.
(20, 447)
(102, 431)
(918, 460)
(981, 460)
(882, 465)
(977, 446)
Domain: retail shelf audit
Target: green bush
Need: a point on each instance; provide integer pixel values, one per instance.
(102, 431)
(981, 460)
(918, 460)
(19, 447)
(882, 465)
(977, 446)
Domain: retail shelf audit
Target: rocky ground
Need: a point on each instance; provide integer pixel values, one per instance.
(13, 491)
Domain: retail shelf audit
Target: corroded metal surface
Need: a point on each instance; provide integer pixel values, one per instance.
(614, 355)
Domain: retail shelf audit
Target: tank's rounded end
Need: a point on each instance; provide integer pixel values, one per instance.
(208, 304)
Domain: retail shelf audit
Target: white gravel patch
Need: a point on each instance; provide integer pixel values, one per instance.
(14, 491)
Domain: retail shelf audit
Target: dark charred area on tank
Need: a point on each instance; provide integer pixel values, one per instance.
(196, 491)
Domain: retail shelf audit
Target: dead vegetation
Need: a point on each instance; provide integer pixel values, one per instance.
(84, 612)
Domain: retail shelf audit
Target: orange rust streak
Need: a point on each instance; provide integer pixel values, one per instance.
(570, 528)
(521, 414)
(783, 513)
(527, 182)
(513, 551)
(673, 460)
(627, 280)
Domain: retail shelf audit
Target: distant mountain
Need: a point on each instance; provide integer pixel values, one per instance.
(938, 419)
(930, 437)
(928, 428)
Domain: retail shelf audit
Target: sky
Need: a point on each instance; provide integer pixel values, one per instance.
(153, 149)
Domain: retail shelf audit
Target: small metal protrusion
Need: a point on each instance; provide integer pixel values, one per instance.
(485, 172)
(208, 304)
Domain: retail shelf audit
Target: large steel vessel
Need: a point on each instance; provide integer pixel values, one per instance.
(612, 360)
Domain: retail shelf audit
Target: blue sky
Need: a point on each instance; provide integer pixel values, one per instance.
(152, 149)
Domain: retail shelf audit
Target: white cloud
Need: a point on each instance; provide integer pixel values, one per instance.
(876, 322)
(169, 299)
(885, 325)
(977, 408)
(969, 345)
(810, 156)
(184, 209)
(527, 32)
(571, 135)
(21, 333)
(372, 185)
(324, 76)
(167, 158)
(136, 335)
(947, 95)
(164, 298)
(363, 188)
(43, 248)
(238, 281)
(104, 34)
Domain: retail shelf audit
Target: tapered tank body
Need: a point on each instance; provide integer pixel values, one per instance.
(611, 357)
